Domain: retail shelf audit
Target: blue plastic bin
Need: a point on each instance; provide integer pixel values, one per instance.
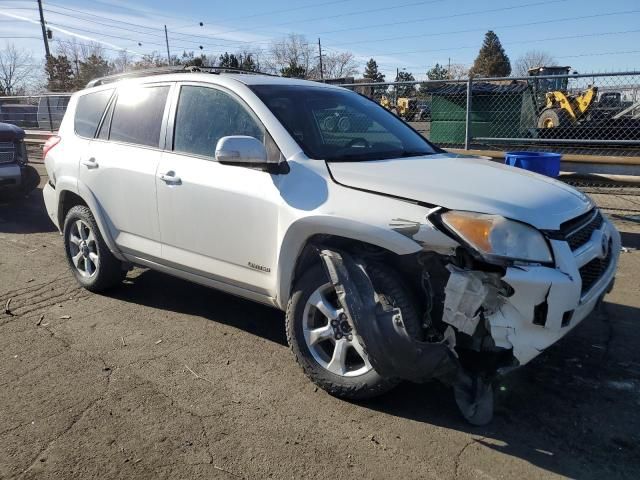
(545, 163)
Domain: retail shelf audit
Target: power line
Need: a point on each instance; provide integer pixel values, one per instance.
(84, 30)
(139, 42)
(159, 36)
(515, 25)
(20, 36)
(160, 33)
(579, 55)
(360, 12)
(287, 10)
(443, 17)
(520, 42)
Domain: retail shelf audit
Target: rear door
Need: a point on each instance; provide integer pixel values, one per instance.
(120, 166)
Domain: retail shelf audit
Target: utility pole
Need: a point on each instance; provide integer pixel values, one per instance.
(44, 31)
(320, 53)
(47, 57)
(166, 38)
(449, 69)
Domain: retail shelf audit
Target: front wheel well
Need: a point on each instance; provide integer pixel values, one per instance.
(68, 200)
(406, 265)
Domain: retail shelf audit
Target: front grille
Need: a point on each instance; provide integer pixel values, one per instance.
(7, 152)
(592, 271)
(578, 231)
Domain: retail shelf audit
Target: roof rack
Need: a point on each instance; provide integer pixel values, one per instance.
(169, 69)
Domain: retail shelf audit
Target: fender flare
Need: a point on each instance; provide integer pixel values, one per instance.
(299, 233)
(100, 216)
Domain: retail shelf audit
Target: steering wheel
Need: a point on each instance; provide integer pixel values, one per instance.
(365, 143)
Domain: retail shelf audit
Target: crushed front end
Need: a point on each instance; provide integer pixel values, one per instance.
(482, 315)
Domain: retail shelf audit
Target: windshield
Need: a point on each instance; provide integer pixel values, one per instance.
(331, 124)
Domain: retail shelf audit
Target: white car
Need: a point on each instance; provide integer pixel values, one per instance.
(392, 258)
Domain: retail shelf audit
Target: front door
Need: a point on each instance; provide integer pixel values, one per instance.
(216, 220)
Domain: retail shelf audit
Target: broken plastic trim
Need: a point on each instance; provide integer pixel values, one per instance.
(391, 350)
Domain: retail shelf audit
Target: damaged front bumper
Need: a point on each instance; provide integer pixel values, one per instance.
(548, 302)
(523, 309)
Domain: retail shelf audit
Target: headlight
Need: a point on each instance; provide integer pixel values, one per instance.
(495, 236)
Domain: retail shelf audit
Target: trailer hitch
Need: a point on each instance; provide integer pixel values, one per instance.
(391, 349)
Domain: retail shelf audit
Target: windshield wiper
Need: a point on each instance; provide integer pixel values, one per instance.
(371, 156)
(414, 154)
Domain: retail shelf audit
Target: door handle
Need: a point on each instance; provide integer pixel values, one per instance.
(91, 163)
(170, 178)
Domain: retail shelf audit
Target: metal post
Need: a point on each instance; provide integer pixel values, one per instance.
(320, 53)
(467, 137)
(166, 38)
(395, 89)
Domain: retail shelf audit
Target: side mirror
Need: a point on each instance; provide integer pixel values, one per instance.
(242, 151)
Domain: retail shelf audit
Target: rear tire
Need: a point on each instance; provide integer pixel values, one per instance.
(355, 382)
(90, 260)
(554, 118)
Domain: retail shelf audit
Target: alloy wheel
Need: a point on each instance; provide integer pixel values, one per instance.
(83, 249)
(329, 337)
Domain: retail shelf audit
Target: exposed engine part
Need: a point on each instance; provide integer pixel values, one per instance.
(467, 295)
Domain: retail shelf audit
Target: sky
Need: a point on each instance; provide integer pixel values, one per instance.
(589, 35)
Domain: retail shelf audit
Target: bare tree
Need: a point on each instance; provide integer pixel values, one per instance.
(122, 63)
(17, 70)
(457, 71)
(338, 65)
(78, 52)
(532, 59)
(290, 53)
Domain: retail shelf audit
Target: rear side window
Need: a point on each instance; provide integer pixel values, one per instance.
(205, 115)
(137, 117)
(89, 112)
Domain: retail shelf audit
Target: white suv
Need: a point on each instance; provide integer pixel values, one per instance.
(392, 258)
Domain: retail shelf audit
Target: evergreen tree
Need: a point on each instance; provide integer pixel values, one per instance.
(248, 63)
(371, 72)
(492, 61)
(405, 90)
(438, 72)
(93, 67)
(293, 70)
(229, 61)
(59, 74)
(190, 60)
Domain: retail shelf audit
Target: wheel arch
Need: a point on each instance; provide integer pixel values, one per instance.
(297, 249)
(67, 199)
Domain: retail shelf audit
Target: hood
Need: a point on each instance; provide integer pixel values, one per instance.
(471, 184)
(10, 133)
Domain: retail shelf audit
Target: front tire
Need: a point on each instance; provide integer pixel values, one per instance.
(90, 260)
(329, 354)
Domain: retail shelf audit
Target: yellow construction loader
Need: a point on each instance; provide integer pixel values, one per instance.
(556, 106)
(404, 107)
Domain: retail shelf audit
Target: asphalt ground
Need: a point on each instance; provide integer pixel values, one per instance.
(165, 379)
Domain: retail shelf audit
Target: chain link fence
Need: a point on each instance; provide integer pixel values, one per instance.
(34, 112)
(551, 110)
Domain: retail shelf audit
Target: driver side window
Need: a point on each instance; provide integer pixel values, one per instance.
(205, 115)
